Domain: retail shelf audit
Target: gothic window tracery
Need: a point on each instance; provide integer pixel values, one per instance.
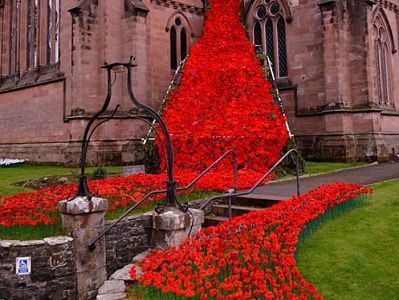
(178, 41)
(269, 32)
(383, 55)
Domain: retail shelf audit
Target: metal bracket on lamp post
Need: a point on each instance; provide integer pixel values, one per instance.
(83, 189)
(171, 197)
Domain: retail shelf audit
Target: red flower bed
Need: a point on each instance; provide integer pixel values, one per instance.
(40, 207)
(248, 257)
(223, 103)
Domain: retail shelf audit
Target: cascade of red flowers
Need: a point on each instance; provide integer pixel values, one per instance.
(248, 257)
(222, 103)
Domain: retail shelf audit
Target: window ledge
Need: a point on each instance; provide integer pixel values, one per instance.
(38, 76)
(336, 109)
(284, 84)
(390, 112)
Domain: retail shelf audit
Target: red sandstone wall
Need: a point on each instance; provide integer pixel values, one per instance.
(33, 115)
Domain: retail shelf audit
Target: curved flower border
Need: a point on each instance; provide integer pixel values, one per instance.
(248, 257)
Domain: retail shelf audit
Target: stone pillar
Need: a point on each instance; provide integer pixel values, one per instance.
(335, 49)
(172, 227)
(83, 219)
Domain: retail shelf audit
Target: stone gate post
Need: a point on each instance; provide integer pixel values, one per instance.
(83, 219)
(172, 227)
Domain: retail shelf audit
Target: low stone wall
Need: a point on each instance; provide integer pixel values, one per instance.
(123, 242)
(53, 269)
(53, 265)
(53, 262)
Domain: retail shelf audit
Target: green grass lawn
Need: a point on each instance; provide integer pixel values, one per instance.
(357, 255)
(11, 175)
(312, 167)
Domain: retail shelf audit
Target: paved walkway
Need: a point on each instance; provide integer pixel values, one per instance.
(363, 175)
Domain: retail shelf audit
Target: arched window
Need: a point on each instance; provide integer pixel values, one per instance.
(269, 32)
(178, 41)
(383, 55)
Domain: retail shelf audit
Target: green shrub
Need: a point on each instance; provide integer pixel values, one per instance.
(100, 173)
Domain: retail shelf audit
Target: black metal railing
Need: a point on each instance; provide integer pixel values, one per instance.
(231, 194)
(92, 243)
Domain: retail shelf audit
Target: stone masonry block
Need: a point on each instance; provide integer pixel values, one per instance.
(171, 227)
(82, 205)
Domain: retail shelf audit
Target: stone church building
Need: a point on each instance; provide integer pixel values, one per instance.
(336, 63)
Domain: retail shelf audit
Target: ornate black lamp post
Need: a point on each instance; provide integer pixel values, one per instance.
(83, 190)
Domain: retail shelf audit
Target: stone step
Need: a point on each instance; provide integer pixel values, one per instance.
(112, 296)
(254, 200)
(112, 290)
(115, 287)
(141, 256)
(236, 210)
(213, 220)
(240, 205)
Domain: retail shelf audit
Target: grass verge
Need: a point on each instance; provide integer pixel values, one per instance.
(357, 255)
(312, 167)
(11, 175)
(25, 233)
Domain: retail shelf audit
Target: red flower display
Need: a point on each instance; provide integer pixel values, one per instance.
(251, 256)
(223, 103)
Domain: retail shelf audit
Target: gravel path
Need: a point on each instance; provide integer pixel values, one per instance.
(369, 174)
